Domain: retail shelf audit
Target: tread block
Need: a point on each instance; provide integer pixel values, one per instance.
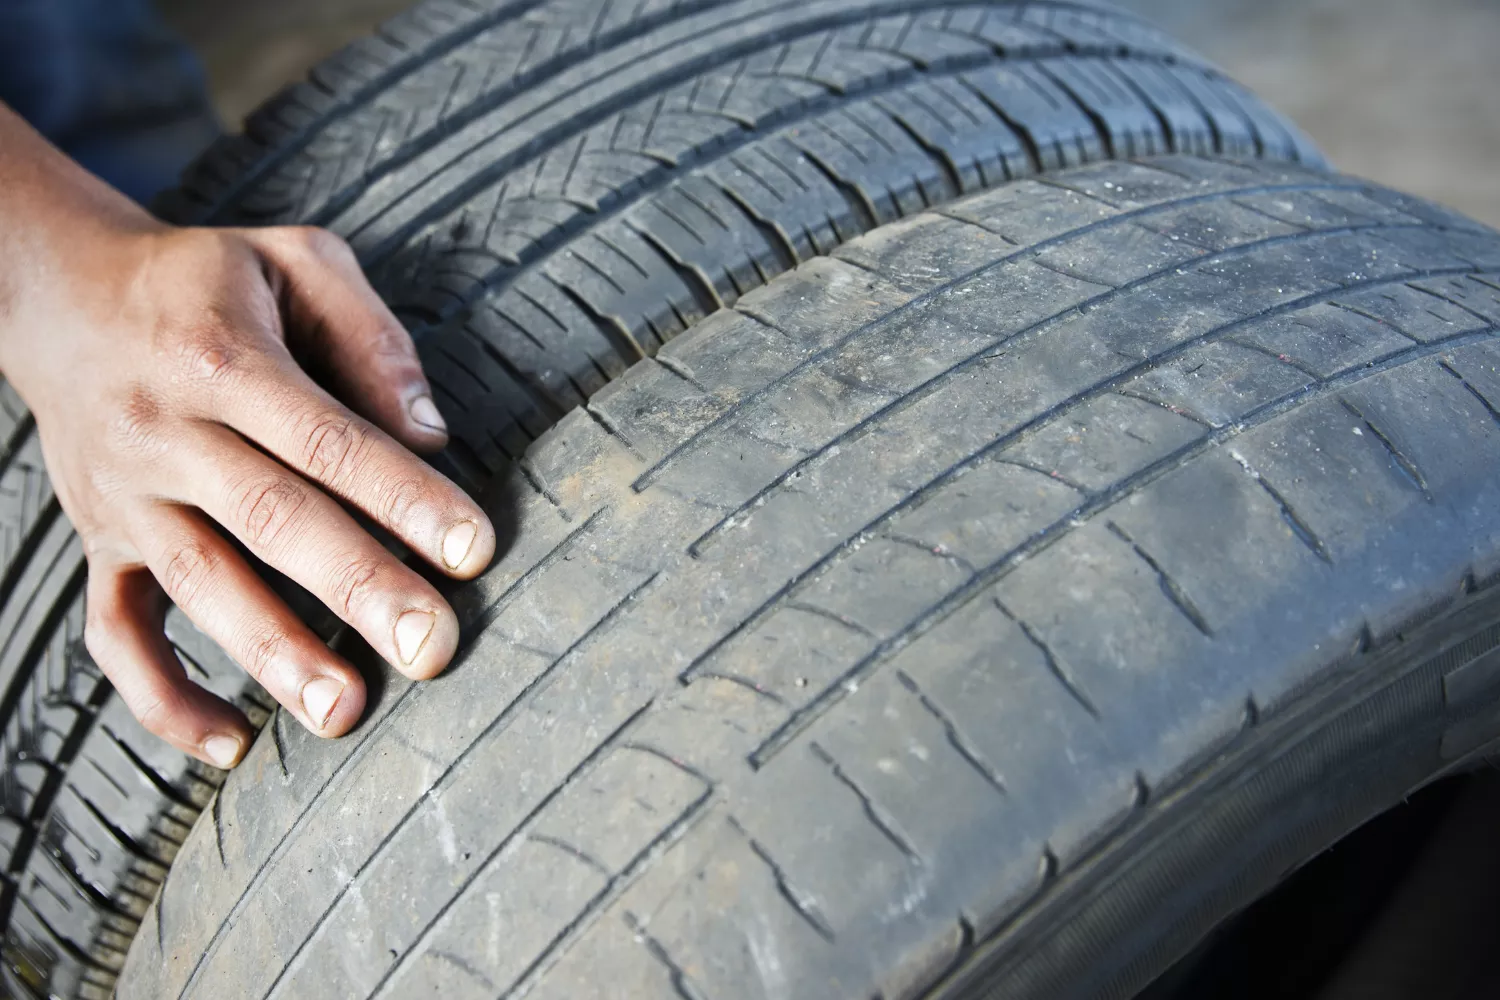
(1108, 575)
(854, 589)
(695, 220)
(488, 939)
(1479, 293)
(1057, 131)
(921, 253)
(791, 654)
(941, 114)
(962, 519)
(725, 919)
(1414, 313)
(989, 687)
(1098, 444)
(1323, 338)
(1218, 383)
(1131, 128)
(859, 298)
(1234, 130)
(1115, 255)
(784, 189)
(635, 971)
(1187, 124)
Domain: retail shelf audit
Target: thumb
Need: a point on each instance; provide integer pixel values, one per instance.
(339, 329)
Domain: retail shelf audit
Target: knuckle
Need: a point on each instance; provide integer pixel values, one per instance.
(320, 242)
(188, 572)
(210, 357)
(261, 651)
(100, 637)
(333, 446)
(136, 427)
(267, 507)
(354, 583)
(389, 342)
(400, 498)
(154, 712)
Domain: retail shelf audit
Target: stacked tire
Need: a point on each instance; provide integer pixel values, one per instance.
(979, 503)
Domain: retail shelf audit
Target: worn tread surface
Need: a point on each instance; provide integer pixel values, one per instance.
(983, 610)
(545, 190)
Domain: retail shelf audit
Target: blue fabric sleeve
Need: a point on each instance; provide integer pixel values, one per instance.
(108, 83)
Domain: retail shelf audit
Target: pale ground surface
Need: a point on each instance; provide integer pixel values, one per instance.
(1403, 91)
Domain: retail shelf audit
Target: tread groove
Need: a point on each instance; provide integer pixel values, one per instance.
(1408, 468)
(826, 615)
(1054, 665)
(218, 832)
(960, 743)
(165, 788)
(277, 744)
(881, 823)
(693, 813)
(1169, 587)
(1299, 526)
(680, 982)
(804, 908)
(1484, 400)
(573, 852)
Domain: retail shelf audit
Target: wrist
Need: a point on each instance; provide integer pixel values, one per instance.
(69, 238)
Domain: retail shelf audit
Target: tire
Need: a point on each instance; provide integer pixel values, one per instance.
(986, 610)
(769, 131)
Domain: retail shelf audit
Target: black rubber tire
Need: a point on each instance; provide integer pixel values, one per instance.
(986, 610)
(771, 130)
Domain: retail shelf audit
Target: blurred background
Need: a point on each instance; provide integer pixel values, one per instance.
(1406, 92)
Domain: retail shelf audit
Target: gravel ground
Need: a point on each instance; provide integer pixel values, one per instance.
(1403, 91)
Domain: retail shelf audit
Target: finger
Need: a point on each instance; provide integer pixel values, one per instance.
(277, 406)
(213, 585)
(124, 636)
(351, 339)
(291, 525)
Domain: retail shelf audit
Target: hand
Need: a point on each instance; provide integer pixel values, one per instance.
(165, 370)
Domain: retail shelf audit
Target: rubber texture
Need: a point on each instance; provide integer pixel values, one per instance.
(985, 610)
(545, 190)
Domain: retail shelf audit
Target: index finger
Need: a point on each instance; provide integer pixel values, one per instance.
(281, 409)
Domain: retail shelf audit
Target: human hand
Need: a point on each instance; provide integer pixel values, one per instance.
(165, 370)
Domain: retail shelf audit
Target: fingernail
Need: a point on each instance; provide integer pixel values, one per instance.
(425, 412)
(318, 698)
(458, 542)
(224, 751)
(412, 630)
